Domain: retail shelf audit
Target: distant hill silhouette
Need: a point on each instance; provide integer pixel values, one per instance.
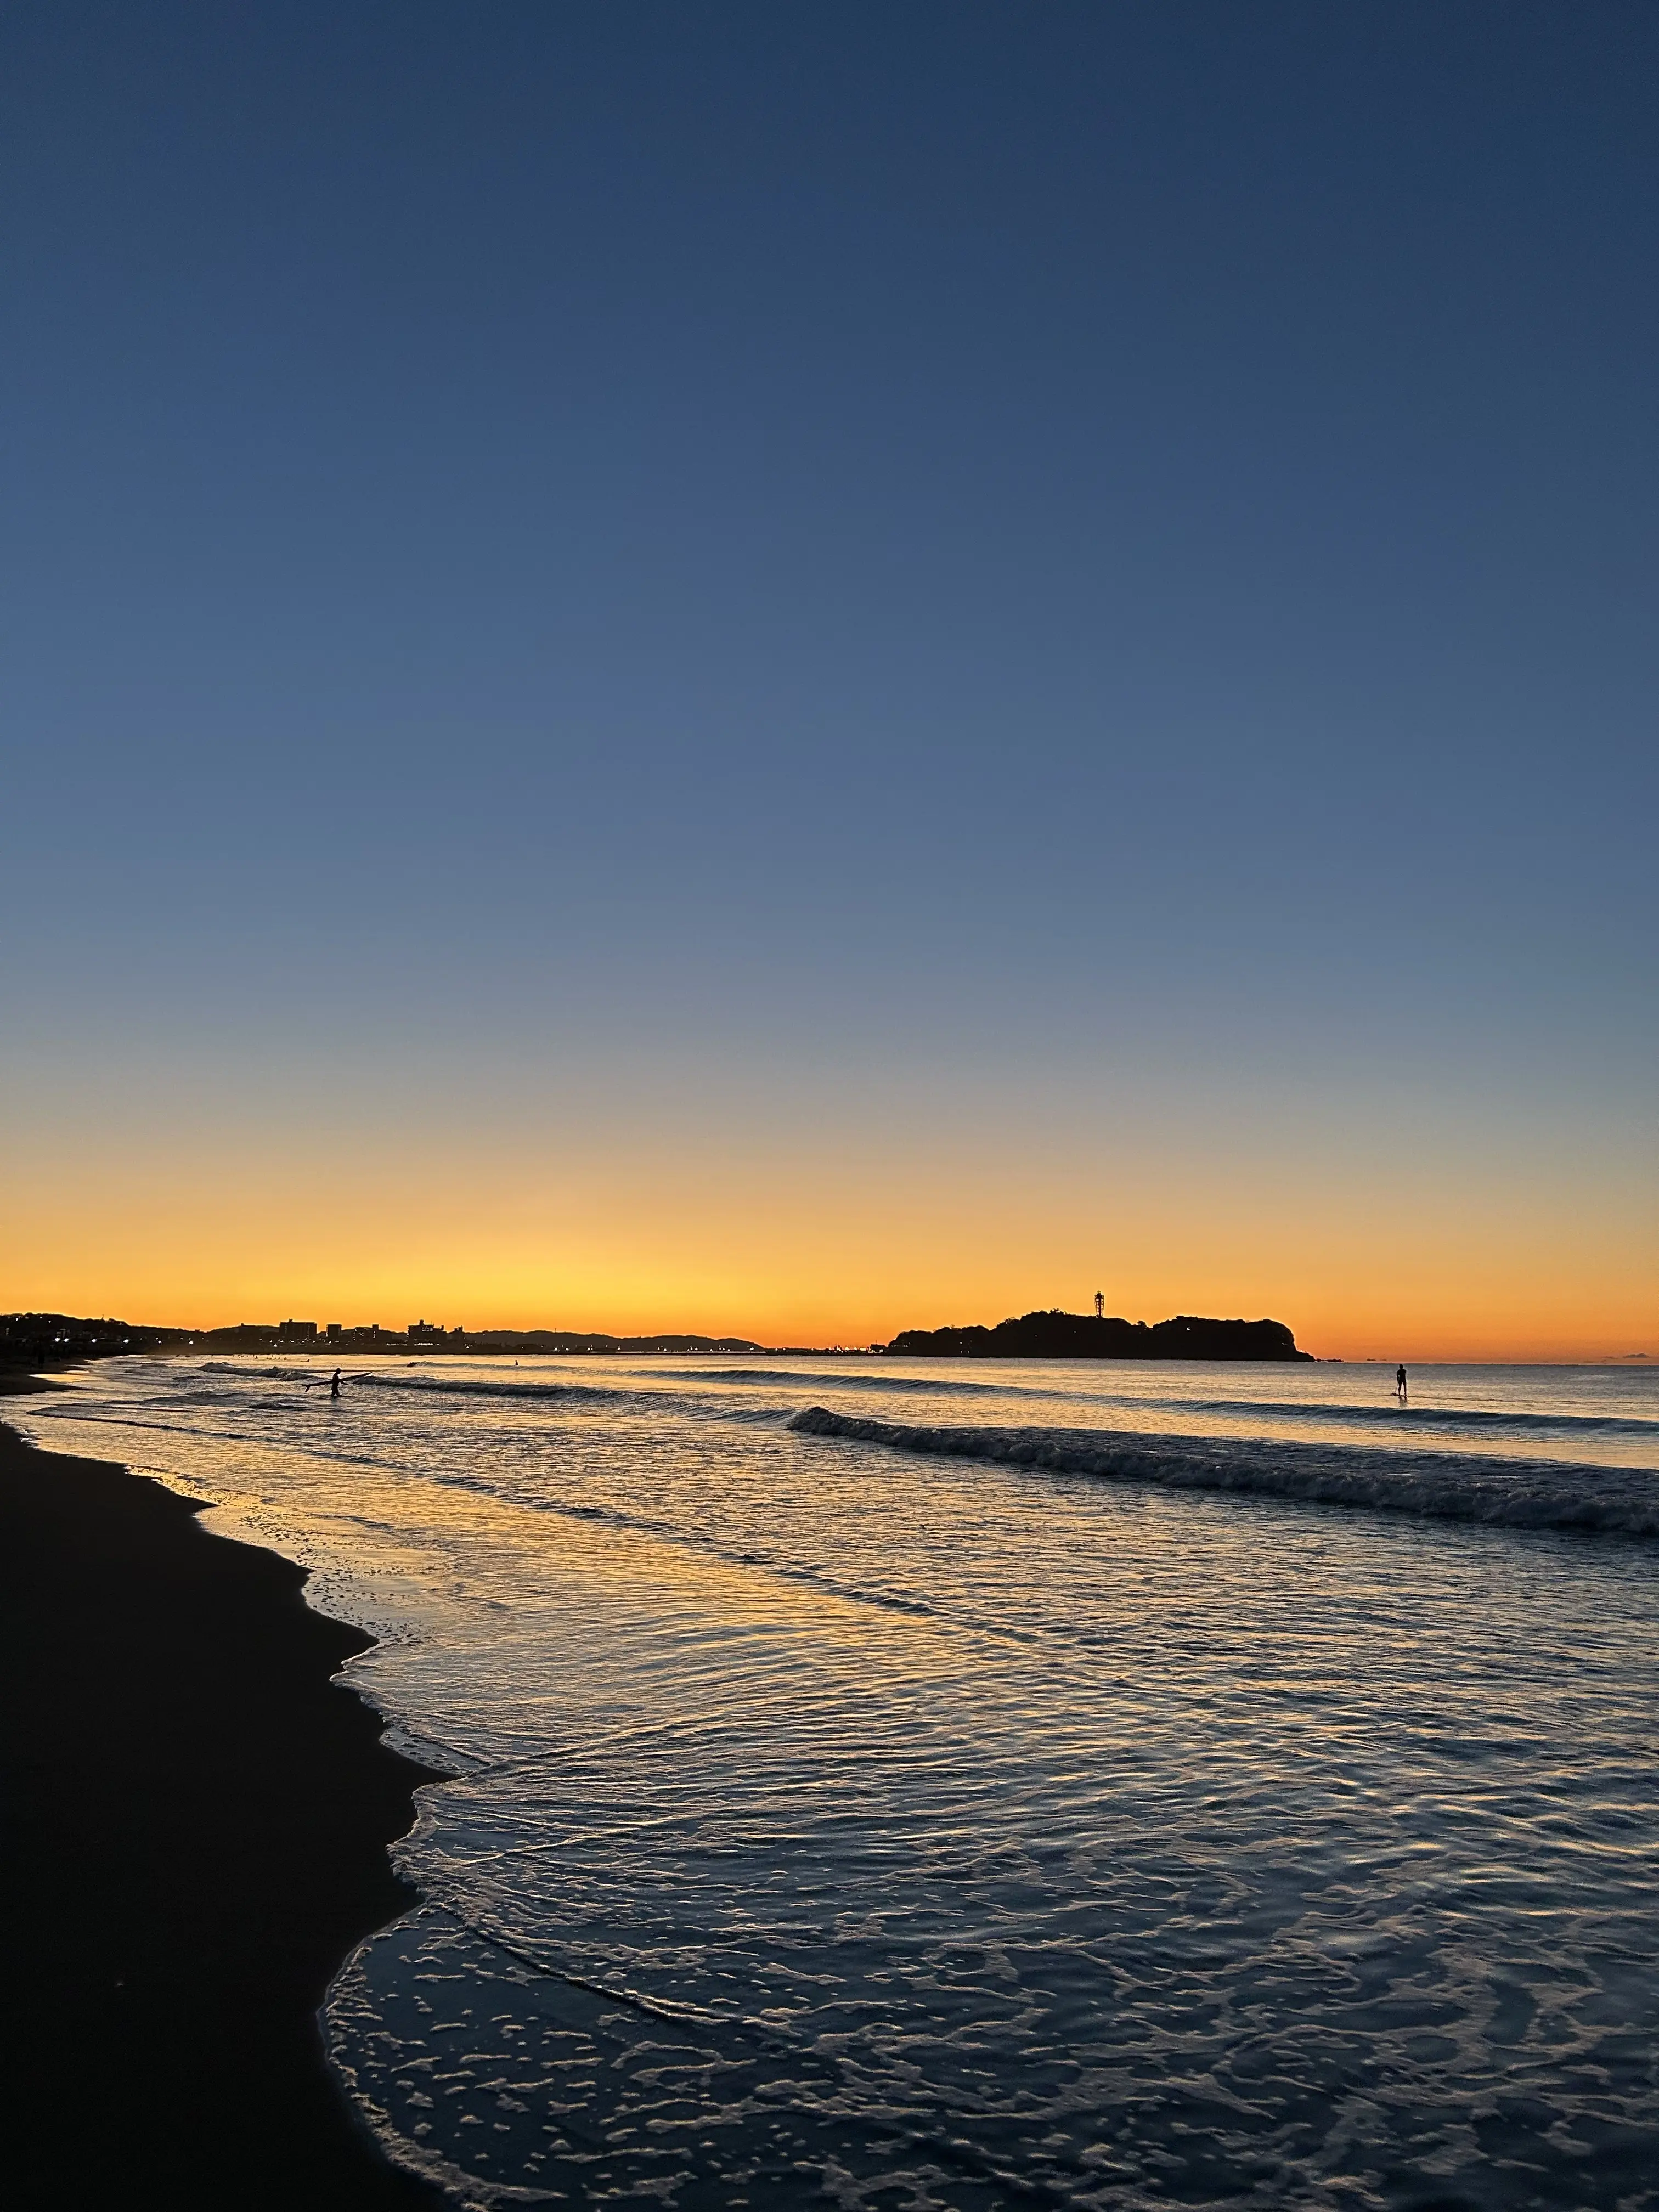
(1059, 1335)
(566, 1340)
(34, 1342)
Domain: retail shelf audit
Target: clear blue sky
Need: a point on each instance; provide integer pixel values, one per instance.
(1053, 604)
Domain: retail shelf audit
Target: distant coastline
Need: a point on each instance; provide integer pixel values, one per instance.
(35, 1342)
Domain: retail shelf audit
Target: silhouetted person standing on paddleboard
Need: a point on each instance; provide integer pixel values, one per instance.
(1399, 1384)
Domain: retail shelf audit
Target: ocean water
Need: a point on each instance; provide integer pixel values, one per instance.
(957, 1784)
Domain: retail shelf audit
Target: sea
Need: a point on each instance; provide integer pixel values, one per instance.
(910, 1784)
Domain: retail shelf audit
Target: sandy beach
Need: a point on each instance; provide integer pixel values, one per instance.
(195, 1837)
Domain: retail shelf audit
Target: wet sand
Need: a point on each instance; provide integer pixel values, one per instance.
(194, 1836)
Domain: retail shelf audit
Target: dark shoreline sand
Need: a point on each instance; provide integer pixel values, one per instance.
(194, 1837)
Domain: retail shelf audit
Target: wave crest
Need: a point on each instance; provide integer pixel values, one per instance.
(1429, 1486)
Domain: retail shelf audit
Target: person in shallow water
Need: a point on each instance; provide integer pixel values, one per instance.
(1399, 1384)
(334, 1383)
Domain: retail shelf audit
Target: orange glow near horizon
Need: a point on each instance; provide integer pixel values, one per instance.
(818, 1249)
(768, 680)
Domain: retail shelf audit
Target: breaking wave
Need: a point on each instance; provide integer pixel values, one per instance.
(1429, 1485)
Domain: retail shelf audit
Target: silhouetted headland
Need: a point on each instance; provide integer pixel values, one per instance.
(35, 1343)
(1057, 1335)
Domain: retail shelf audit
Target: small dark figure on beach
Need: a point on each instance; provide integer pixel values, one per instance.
(334, 1386)
(1399, 1384)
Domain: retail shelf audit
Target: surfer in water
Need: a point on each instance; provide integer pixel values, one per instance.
(334, 1383)
(1399, 1384)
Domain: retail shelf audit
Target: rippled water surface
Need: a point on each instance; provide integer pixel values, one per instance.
(844, 1816)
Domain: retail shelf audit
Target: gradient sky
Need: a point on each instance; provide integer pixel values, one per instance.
(811, 669)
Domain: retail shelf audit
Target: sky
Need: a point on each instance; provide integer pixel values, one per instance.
(806, 670)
